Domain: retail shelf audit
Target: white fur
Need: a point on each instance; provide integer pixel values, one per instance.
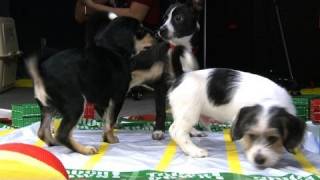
(189, 100)
(184, 41)
(196, 133)
(271, 156)
(168, 24)
(140, 76)
(186, 108)
(84, 104)
(188, 62)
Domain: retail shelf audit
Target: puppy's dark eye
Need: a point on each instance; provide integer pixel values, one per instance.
(178, 18)
(272, 139)
(140, 33)
(252, 137)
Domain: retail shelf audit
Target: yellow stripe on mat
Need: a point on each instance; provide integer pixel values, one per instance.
(6, 132)
(94, 159)
(305, 163)
(232, 153)
(40, 143)
(167, 157)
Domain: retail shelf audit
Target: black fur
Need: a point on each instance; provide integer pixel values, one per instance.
(177, 82)
(116, 39)
(95, 23)
(185, 27)
(244, 120)
(221, 86)
(290, 127)
(182, 15)
(176, 63)
(145, 60)
(169, 56)
(159, 53)
(100, 74)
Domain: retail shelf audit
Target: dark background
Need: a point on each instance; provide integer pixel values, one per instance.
(241, 34)
(245, 35)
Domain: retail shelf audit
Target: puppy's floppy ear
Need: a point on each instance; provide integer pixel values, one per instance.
(295, 129)
(101, 39)
(94, 24)
(289, 126)
(245, 118)
(118, 35)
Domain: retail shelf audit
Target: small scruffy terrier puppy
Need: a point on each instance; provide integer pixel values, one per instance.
(261, 112)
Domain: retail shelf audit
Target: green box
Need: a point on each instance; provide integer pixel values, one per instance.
(25, 114)
(302, 104)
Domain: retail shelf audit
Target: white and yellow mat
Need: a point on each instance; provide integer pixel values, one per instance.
(137, 156)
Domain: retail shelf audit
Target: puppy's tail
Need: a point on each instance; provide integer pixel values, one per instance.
(33, 67)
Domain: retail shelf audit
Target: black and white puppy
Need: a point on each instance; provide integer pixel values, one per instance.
(181, 25)
(101, 75)
(168, 59)
(261, 112)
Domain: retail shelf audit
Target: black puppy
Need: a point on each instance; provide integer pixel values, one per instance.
(167, 60)
(65, 81)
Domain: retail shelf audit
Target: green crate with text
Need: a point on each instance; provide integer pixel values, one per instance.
(302, 104)
(25, 114)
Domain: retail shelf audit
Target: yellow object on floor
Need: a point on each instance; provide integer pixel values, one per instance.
(311, 91)
(24, 83)
(24, 161)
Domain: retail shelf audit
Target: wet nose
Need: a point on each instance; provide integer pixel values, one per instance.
(163, 32)
(157, 35)
(259, 159)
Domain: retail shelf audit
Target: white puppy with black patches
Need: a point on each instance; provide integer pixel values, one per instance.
(261, 112)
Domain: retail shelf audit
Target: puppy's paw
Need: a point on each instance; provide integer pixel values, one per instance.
(157, 135)
(195, 133)
(53, 131)
(112, 139)
(89, 150)
(41, 134)
(198, 153)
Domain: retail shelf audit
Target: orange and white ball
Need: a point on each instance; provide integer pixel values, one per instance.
(24, 161)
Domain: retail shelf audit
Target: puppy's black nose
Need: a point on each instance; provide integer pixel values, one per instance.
(163, 32)
(157, 35)
(259, 159)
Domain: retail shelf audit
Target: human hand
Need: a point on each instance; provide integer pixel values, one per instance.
(89, 3)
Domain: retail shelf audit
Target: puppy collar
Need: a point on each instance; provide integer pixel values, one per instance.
(194, 50)
(173, 46)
